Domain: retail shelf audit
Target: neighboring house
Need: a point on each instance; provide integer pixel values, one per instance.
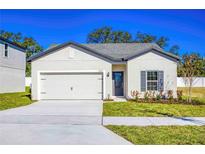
(101, 71)
(12, 67)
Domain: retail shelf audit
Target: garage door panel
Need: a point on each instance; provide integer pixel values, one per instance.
(71, 86)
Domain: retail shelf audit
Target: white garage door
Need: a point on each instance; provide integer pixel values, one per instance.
(71, 86)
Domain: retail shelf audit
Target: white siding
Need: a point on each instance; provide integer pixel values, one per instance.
(151, 61)
(12, 70)
(70, 59)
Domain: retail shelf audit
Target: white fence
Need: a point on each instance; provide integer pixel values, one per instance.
(198, 82)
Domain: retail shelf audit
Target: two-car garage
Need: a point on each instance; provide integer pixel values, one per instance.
(71, 85)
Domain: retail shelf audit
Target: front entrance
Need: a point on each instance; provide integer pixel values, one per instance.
(118, 78)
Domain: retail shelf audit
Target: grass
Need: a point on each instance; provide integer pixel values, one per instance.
(198, 93)
(161, 134)
(134, 109)
(12, 100)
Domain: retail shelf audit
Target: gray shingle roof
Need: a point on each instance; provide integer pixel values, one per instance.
(112, 51)
(118, 51)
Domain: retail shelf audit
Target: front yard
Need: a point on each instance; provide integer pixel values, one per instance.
(12, 100)
(134, 109)
(161, 134)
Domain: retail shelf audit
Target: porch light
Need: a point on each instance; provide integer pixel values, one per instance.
(108, 74)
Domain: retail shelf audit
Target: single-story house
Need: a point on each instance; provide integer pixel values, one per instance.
(12, 66)
(102, 71)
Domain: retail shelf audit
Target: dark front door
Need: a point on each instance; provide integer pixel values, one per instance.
(118, 83)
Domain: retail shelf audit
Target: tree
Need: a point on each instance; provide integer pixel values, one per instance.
(108, 35)
(202, 65)
(121, 37)
(189, 68)
(145, 38)
(162, 41)
(174, 49)
(29, 43)
(5, 34)
(16, 38)
(32, 46)
(149, 38)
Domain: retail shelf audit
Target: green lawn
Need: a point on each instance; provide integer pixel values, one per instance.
(12, 100)
(198, 93)
(152, 109)
(161, 134)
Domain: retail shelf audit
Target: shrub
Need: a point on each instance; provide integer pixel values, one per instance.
(170, 95)
(152, 95)
(158, 97)
(146, 97)
(179, 94)
(135, 95)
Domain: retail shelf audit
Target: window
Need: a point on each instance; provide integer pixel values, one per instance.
(6, 50)
(152, 80)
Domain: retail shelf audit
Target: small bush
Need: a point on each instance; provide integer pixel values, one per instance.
(146, 98)
(135, 95)
(179, 94)
(170, 95)
(158, 97)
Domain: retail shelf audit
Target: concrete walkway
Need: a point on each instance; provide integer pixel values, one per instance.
(153, 121)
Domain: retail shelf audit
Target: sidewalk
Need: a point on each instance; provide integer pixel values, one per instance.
(154, 121)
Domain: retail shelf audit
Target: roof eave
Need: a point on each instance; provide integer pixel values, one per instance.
(34, 57)
(150, 49)
(13, 44)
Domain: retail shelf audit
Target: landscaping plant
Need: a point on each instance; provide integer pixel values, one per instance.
(190, 67)
(170, 95)
(135, 95)
(179, 95)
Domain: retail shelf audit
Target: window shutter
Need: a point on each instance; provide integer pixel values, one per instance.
(160, 80)
(143, 81)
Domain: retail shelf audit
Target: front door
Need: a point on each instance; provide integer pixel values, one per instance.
(117, 77)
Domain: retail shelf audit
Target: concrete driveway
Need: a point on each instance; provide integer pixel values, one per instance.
(58, 134)
(88, 112)
(56, 122)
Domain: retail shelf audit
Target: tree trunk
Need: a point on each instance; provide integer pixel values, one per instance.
(190, 92)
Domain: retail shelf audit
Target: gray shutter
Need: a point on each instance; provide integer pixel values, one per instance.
(143, 81)
(160, 80)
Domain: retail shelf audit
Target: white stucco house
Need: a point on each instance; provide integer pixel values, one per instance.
(101, 71)
(12, 67)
